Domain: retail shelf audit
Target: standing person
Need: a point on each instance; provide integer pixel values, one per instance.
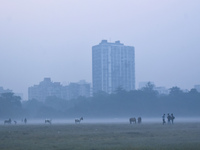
(25, 120)
(163, 117)
(168, 118)
(172, 118)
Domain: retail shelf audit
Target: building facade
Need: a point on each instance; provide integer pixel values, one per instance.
(47, 88)
(160, 89)
(113, 66)
(197, 87)
(77, 89)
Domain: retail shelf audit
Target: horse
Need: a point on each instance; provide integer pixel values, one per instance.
(78, 120)
(15, 122)
(139, 120)
(8, 121)
(47, 121)
(132, 120)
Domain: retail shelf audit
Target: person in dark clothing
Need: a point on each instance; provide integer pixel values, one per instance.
(163, 117)
(25, 120)
(168, 118)
(172, 118)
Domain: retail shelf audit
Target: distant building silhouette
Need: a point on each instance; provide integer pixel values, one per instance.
(2, 90)
(113, 66)
(143, 84)
(80, 88)
(160, 89)
(197, 87)
(48, 88)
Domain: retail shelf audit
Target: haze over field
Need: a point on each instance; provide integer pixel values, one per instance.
(180, 136)
(107, 121)
(51, 38)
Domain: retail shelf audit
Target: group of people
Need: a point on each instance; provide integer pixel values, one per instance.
(24, 120)
(170, 118)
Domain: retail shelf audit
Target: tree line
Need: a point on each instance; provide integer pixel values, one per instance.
(144, 102)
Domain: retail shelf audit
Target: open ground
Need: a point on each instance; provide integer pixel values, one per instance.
(100, 136)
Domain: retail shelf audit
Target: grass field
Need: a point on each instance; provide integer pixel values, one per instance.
(118, 136)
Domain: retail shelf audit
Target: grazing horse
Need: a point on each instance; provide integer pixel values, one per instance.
(132, 120)
(139, 120)
(15, 122)
(78, 120)
(7, 121)
(47, 121)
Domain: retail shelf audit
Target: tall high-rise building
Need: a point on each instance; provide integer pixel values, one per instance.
(113, 66)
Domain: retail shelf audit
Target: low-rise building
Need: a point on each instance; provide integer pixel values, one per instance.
(160, 89)
(81, 88)
(48, 88)
(197, 87)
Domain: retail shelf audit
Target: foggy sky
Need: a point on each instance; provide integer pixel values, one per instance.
(54, 38)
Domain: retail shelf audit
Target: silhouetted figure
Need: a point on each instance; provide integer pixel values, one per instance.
(168, 118)
(139, 120)
(25, 120)
(172, 118)
(163, 117)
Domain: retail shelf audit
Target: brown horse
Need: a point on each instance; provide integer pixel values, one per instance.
(132, 120)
